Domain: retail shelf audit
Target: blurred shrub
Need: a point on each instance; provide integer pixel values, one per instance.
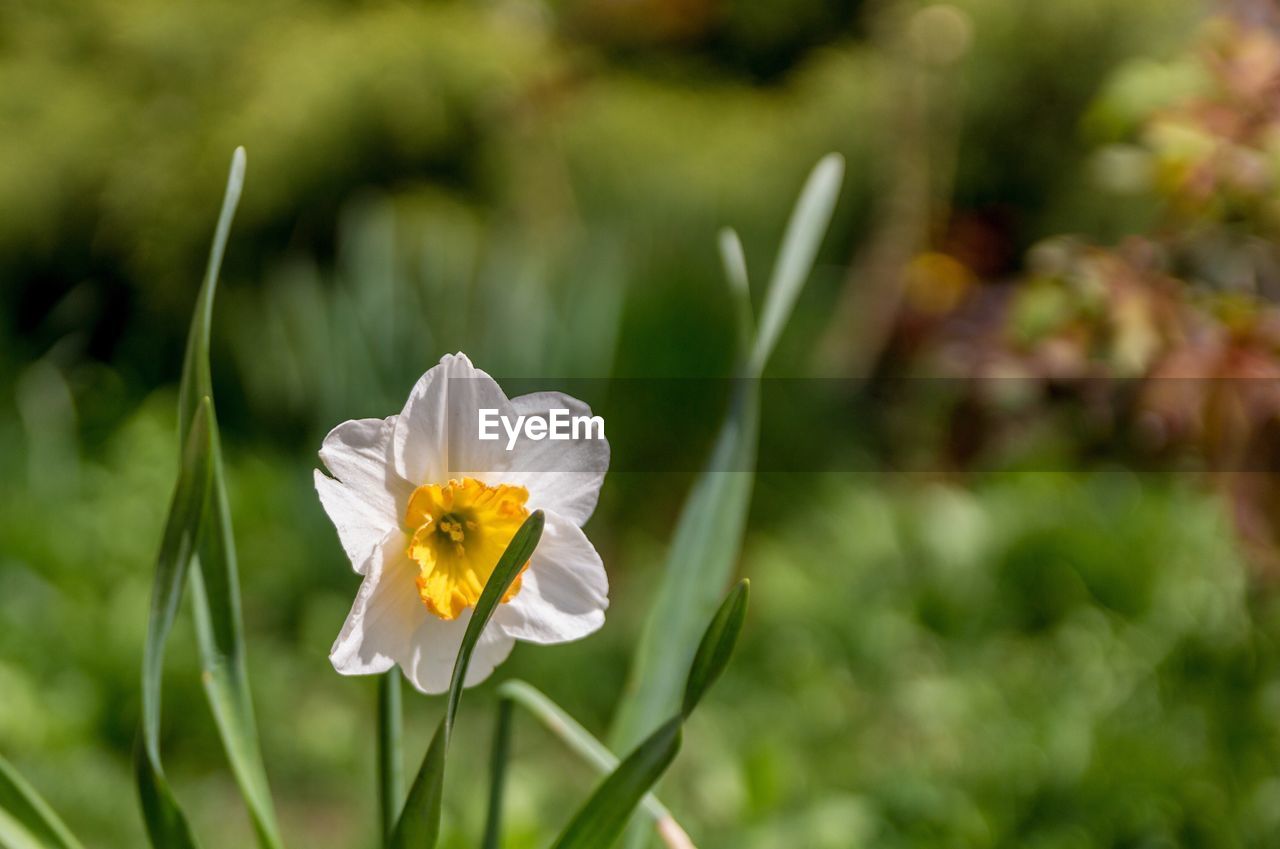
(1046, 660)
(116, 117)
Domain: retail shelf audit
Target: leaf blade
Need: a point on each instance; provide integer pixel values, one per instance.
(166, 824)
(571, 732)
(599, 822)
(734, 261)
(708, 536)
(215, 583)
(717, 646)
(604, 817)
(709, 532)
(418, 826)
(805, 231)
(26, 820)
(704, 550)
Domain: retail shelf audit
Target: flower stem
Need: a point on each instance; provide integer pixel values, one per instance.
(390, 759)
(498, 774)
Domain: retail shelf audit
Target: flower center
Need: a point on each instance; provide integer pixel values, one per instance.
(460, 531)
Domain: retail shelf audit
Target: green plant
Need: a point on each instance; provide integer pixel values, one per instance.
(198, 550)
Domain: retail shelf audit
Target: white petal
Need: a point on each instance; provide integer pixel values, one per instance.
(564, 592)
(429, 665)
(386, 615)
(436, 436)
(368, 497)
(561, 475)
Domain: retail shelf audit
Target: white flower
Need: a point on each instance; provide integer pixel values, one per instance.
(424, 509)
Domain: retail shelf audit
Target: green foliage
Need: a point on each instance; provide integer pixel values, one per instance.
(709, 533)
(215, 578)
(166, 823)
(419, 823)
(26, 820)
(717, 645)
(568, 730)
(1040, 661)
(604, 816)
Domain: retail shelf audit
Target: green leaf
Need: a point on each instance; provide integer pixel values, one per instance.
(804, 234)
(215, 581)
(604, 817)
(196, 377)
(716, 646)
(26, 820)
(167, 826)
(558, 721)
(706, 545)
(734, 261)
(599, 823)
(708, 535)
(419, 824)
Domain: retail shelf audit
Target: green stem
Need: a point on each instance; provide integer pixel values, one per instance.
(570, 732)
(498, 774)
(390, 745)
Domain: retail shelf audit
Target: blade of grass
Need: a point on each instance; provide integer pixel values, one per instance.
(734, 260)
(707, 541)
(716, 647)
(197, 381)
(604, 817)
(26, 820)
(805, 230)
(708, 536)
(167, 826)
(419, 824)
(215, 581)
(390, 746)
(580, 741)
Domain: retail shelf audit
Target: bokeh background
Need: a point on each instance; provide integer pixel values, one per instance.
(1039, 609)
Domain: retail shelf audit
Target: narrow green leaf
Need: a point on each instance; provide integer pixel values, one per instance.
(419, 823)
(26, 820)
(808, 224)
(166, 824)
(599, 822)
(708, 536)
(716, 646)
(605, 815)
(196, 378)
(734, 261)
(571, 732)
(704, 550)
(215, 581)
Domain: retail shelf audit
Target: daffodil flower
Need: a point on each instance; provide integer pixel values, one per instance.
(424, 509)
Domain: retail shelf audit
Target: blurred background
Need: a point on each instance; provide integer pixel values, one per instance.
(1038, 609)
